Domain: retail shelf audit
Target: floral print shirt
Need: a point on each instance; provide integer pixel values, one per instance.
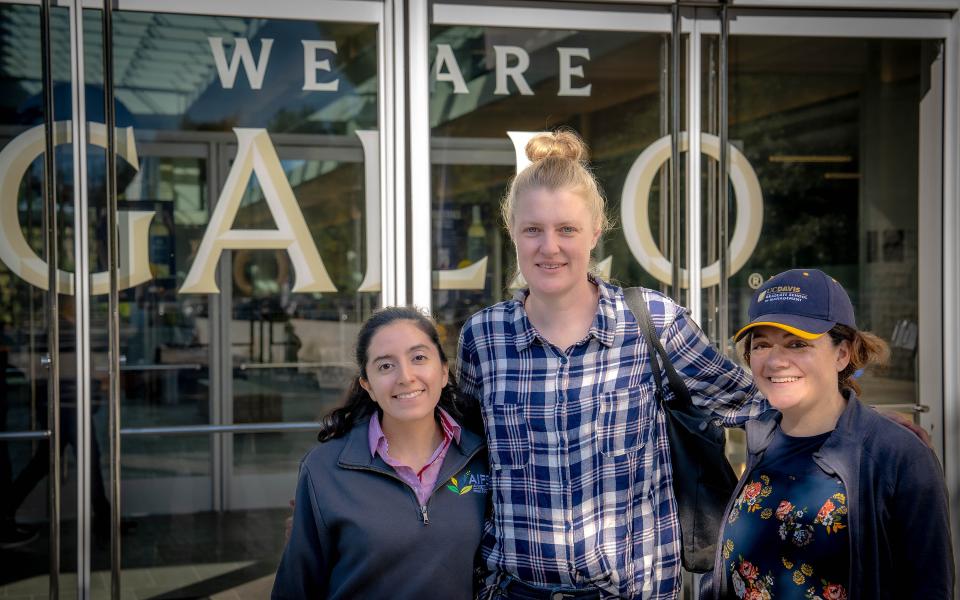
(786, 536)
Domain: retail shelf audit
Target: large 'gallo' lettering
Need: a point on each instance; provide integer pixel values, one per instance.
(16, 253)
(256, 154)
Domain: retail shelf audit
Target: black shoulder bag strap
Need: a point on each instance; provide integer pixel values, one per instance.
(681, 395)
(703, 480)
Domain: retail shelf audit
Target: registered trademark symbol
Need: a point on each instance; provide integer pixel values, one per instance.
(755, 280)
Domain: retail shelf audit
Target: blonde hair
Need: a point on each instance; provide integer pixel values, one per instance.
(558, 162)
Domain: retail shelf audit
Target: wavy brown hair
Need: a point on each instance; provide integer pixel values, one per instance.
(866, 350)
(357, 403)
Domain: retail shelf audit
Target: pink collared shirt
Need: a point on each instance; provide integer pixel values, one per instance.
(421, 482)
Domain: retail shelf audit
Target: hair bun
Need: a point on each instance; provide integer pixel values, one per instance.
(561, 144)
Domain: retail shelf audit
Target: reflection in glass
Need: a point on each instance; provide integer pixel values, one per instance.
(836, 150)
(24, 465)
(616, 103)
(256, 351)
(165, 337)
(291, 352)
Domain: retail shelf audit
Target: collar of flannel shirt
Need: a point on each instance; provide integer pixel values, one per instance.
(605, 325)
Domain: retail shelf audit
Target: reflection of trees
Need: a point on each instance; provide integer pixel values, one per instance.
(816, 238)
(333, 206)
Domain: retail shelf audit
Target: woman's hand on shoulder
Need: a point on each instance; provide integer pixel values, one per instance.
(904, 421)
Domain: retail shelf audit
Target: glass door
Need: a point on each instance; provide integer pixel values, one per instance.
(34, 417)
(261, 134)
(835, 133)
(496, 77)
(245, 234)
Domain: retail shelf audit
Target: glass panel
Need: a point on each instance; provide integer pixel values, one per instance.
(165, 346)
(836, 153)
(608, 86)
(24, 465)
(291, 353)
(830, 127)
(234, 329)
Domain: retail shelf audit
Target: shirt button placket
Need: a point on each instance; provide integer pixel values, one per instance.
(563, 452)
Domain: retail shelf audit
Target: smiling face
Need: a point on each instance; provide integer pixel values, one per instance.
(404, 374)
(794, 374)
(554, 233)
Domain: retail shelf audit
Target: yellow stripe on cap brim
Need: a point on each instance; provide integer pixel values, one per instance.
(797, 332)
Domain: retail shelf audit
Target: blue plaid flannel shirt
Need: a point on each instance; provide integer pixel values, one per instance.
(580, 464)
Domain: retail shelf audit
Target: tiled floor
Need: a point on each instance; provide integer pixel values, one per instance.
(228, 556)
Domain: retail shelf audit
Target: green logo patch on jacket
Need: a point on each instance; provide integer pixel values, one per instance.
(469, 482)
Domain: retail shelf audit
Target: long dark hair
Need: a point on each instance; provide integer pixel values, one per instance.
(357, 403)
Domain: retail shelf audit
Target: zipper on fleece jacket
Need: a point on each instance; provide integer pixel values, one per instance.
(421, 509)
(440, 484)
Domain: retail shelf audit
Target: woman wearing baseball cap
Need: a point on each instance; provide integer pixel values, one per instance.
(836, 502)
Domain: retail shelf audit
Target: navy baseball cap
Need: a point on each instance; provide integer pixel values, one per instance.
(804, 302)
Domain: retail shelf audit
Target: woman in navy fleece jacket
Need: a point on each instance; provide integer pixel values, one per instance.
(391, 504)
(837, 502)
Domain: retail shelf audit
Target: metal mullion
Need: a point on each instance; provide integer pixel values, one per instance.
(930, 250)
(82, 296)
(219, 346)
(51, 249)
(878, 23)
(393, 288)
(711, 208)
(674, 221)
(941, 5)
(223, 466)
(664, 207)
(113, 298)
(694, 207)
(622, 18)
(723, 176)
(950, 272)
(421, 244)
(349, 11)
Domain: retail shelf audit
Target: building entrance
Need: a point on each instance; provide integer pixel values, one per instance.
(280, 176)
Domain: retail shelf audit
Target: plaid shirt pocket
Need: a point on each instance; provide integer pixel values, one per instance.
(508, 436)
(626, 418)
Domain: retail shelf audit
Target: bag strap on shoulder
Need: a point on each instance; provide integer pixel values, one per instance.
(638, 306)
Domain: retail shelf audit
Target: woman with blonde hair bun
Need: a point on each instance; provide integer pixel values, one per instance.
(558, 161)
(583, 504)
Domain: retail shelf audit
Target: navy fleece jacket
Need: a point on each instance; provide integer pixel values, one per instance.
(359, 531)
